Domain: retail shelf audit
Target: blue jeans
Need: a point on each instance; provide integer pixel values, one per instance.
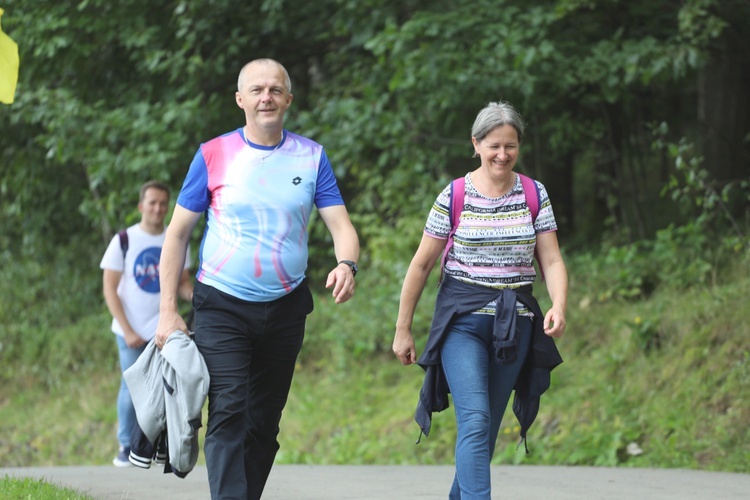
(125, 412)
(250, 350)
(480, 389)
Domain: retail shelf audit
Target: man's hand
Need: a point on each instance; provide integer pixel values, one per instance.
(132, 339)
(342, 281)
(346, 246)
(169, 322)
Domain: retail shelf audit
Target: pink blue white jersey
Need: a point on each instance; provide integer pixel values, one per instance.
(494, 243)
(257, 202)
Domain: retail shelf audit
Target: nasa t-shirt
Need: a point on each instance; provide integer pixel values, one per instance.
(139, 289)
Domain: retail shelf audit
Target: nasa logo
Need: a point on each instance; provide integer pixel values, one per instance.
(146, 270)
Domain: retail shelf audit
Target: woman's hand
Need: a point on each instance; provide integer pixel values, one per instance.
(554, 323)
(403, 347)
(430, 249)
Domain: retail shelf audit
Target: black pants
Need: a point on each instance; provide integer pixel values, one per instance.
(250, 349)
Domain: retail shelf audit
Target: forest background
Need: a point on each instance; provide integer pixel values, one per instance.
(638, 117)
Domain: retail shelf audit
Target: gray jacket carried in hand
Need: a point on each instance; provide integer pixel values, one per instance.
(168, 389)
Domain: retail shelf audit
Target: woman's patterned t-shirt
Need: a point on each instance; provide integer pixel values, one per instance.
(494, 243)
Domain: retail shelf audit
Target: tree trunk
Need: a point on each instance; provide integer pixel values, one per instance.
(724, 114)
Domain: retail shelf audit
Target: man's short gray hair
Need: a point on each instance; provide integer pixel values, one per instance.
(266, 60)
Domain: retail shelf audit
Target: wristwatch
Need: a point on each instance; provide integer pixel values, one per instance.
(351, 264)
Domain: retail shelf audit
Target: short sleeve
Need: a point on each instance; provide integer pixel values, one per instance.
(194, 194)
(113, 258)
(545, 220)
(327, 191)
(439, 220)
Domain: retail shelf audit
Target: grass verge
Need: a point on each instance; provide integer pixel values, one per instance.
(662, 381)
(37, 489)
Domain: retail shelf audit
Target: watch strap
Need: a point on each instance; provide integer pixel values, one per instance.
(352, 265)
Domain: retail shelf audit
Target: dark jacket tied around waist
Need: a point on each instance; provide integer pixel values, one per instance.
(456, 297)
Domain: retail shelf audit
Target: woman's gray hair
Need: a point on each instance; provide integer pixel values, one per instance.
(497, 114)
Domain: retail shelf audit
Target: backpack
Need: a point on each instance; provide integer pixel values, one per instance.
(458, 192)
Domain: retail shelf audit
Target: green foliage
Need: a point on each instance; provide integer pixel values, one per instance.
(27, 488)
(699, 22)
(693, 188)
(78, 363)
(678, 258)
(113, 94)
(47, 297)
(374, 425)
(645, 332)
(616, 401)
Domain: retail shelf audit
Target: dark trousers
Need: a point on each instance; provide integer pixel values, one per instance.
(250, 350)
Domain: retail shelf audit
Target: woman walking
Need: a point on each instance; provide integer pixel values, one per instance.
(488, 334)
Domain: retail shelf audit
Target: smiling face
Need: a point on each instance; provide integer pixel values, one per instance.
(498, 151)
(264, 96)
(153, 208)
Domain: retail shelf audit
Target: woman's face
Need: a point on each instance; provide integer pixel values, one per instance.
(498, 150)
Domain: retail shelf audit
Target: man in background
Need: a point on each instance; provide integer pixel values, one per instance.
(132, 294)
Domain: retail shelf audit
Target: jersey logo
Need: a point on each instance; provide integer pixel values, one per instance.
(296, 181)
(146, 270)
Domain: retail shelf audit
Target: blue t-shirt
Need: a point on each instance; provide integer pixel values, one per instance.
(257, 202)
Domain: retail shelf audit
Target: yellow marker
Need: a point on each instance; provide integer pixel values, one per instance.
(8, 66)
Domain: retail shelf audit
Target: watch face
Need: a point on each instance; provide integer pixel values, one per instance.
(352, 266)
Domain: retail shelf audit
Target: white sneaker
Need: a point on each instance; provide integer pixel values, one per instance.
(121, 460)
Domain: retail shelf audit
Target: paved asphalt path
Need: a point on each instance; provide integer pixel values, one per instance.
(372, 482)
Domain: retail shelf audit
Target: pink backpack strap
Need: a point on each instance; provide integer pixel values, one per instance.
(531, 191)
(455, 207)
(458, 193)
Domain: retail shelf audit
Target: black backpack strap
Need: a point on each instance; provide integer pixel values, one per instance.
(123, 242)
